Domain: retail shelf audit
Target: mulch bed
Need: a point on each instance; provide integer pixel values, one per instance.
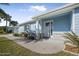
(71, 48)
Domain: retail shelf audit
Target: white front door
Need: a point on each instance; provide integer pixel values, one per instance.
(47, 28)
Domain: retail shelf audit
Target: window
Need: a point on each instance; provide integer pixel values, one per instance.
(47, 24)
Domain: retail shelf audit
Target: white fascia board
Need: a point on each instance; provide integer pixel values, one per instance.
(57, 11)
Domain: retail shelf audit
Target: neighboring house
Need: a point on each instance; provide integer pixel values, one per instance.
(9, 28)
(30, 25)
(60, 20)
(3, 24)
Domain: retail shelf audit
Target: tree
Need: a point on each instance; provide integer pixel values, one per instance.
(13, 23)
(4, 15)
(7, 19)
(2, 12)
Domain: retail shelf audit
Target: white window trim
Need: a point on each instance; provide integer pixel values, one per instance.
(61, 31)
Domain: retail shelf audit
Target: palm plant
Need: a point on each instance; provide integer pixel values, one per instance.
(73, 38)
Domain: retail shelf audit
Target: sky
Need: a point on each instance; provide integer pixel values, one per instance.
(23, 12)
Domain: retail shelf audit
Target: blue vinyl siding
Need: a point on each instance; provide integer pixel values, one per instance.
(76, 16)
(61, 24)
(21, 29)
(33, 27)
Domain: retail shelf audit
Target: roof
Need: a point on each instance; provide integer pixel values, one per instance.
(64, 9)
(57, 10)
(28, 22)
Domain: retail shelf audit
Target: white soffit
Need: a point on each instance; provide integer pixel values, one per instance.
(65, 9)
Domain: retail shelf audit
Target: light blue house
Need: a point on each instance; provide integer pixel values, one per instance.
(61, 20)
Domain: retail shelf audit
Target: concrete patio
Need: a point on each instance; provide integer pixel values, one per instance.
(43, 47)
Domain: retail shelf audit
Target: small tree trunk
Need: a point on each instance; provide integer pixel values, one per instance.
(9, 23)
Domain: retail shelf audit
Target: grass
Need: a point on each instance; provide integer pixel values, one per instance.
(10, 48)
(4, 33)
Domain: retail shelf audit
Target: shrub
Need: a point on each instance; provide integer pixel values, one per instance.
(16, 34)
(24, 34)
(2, 31)
(30, 37)
(9, 31)
(73, 38)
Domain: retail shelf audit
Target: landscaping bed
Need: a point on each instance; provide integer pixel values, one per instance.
(71, 48)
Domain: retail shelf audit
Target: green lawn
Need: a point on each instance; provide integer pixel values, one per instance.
(8, 47)
(4, 33)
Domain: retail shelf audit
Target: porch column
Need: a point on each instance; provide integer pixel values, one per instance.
(38, 29)
(73, 22)
(41, 29)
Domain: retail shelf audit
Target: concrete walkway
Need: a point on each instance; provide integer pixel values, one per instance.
(44, 47)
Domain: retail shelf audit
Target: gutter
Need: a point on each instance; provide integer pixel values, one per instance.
(66, 6)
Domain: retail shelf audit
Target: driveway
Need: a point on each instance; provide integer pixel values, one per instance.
(44, 47)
